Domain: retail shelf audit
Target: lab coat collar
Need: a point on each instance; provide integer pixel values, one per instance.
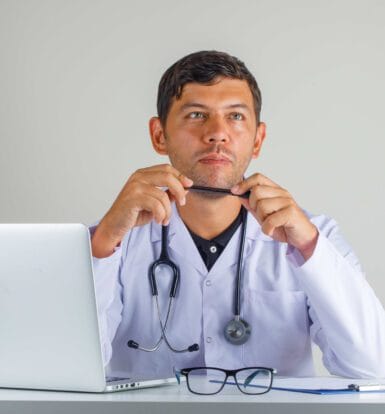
(181, 242)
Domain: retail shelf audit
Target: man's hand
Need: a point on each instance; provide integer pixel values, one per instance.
(140, 201)
(278, 213)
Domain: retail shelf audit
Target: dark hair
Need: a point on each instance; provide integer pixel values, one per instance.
(202, 67)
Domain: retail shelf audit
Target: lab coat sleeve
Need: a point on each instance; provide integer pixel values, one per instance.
(347, 319)
(108, 296)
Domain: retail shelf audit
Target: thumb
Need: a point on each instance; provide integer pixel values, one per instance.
(245, 203)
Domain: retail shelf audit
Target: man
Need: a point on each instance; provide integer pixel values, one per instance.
(301, 281)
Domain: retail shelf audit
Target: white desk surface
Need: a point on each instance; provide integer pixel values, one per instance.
(175, 398)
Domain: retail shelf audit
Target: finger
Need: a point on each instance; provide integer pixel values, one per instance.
(164, 198)
(153, 207)
(268, 206)
(163, 178)
(157, 202)
(246, 203)
(261, 192)
(253, 180)
(278, 233)
(275, 222)
(170, 196)
(166, 168)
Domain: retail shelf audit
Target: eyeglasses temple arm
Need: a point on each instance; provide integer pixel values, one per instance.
(177, 374)
(247, 381)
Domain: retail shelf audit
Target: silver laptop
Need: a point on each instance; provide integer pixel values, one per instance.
(49, 333)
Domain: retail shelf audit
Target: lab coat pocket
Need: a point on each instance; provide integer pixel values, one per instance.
(280, 329)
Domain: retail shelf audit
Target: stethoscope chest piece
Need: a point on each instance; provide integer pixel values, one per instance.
(237, 331)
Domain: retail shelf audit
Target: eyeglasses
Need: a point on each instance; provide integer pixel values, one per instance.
(209, 380)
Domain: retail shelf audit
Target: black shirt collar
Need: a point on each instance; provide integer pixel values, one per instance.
(204, 246)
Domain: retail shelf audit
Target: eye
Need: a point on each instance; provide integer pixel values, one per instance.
(237, 116)
(196, 115)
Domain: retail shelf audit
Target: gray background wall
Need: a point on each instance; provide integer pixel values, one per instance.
(78, 83)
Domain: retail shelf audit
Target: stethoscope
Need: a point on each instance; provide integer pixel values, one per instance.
(237, 331)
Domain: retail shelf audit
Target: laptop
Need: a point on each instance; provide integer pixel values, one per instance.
(49, 332)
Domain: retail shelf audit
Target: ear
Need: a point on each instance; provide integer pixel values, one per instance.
(157, 134)
(259, 138)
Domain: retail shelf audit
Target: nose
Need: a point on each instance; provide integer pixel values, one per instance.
(215, 130)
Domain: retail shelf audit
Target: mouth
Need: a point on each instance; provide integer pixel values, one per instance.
(215, 159)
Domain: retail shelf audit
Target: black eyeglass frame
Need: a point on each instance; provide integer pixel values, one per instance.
(229, 373)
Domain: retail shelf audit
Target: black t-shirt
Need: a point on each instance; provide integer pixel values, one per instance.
(210, 250)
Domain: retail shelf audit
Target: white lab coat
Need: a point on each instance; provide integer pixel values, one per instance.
(287, 302)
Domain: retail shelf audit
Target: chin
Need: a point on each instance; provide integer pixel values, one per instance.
(216, 177)
(216, 182)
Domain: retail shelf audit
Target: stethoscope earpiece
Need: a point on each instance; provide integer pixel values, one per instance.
(132, 344)
(193, 347)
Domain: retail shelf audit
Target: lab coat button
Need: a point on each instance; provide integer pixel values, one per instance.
(213, 249)
(208, 282)
(209, 339)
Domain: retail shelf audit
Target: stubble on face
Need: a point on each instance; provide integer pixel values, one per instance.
(211, 176)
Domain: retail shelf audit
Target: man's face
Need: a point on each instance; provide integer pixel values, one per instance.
(211, 132)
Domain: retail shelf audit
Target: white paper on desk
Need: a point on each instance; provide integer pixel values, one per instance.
(312, 383)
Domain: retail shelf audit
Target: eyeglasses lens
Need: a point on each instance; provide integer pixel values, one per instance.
(254, 381)
(206, 381)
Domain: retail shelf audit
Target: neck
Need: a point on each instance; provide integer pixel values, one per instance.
(209, 217)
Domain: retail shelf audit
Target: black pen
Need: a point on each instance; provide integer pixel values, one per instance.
(217, 190)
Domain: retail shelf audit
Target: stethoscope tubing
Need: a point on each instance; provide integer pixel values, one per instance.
(238, 283)
(164, 260)
(157, 345)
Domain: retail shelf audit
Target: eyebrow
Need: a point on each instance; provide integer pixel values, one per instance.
(188, 105)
